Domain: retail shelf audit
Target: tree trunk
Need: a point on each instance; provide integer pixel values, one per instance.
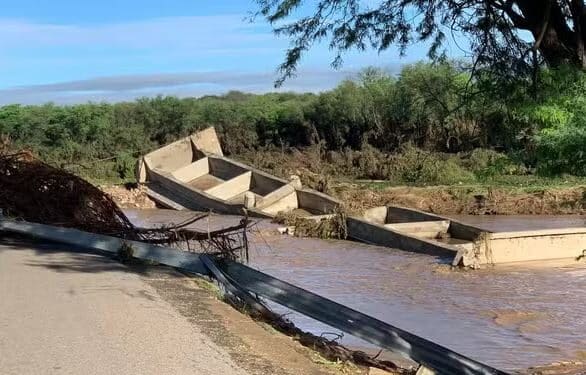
(558, 41)
(578, 10)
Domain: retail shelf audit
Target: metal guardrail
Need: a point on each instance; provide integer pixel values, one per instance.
(442, 360)
(237, 277)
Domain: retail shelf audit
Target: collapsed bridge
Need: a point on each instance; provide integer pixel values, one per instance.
(192, 173)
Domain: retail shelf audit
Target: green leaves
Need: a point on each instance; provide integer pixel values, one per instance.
(560, 118)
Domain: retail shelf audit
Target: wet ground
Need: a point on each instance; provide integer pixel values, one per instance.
(510, 318)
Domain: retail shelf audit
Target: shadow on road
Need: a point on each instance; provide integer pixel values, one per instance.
(78, 259)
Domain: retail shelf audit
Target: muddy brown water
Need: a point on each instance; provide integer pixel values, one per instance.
(510, 318)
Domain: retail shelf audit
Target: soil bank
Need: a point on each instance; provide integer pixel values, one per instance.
(443, 200)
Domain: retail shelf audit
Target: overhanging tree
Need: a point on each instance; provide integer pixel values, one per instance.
(504, 36)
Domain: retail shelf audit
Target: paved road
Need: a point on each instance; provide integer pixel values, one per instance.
(76, 313)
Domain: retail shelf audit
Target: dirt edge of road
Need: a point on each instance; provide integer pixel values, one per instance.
(256, 347)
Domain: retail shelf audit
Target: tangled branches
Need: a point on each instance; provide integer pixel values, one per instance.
(230, 242)
(37, 192)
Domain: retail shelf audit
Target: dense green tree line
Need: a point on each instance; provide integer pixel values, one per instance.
(434, 107)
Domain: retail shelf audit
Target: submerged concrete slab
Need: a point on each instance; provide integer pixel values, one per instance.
(414, 230)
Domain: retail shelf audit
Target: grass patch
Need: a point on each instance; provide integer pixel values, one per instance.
(208, 286)
(334, 366)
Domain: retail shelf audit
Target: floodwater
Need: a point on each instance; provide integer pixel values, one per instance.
(510, 318)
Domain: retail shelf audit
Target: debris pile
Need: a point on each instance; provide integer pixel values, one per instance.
(34, 191)
(331, 349)
(129, 196)
(327, 227)
(229, 242)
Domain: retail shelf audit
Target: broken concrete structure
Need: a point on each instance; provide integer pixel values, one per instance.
(192, 173)
(467, 245)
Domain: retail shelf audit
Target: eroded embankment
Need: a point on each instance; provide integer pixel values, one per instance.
(465, 200)
(446, 200)
(436, 186)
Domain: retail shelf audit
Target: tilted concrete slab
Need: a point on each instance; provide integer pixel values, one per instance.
(425, 229)
(207, 141)
(377, 234)
(193, 170)
(193, 173)
(233, 187)
(172, 157)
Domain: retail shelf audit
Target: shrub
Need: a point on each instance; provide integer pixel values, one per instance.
(562, 150)
(416, 166)
(560, 116)
(363, 126)
(486, 163)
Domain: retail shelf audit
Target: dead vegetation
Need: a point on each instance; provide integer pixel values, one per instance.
(34, 191)
(330, 349)
(465, 200)
(481, 183)
(329, 227)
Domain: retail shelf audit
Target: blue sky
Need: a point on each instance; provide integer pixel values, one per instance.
(70, 51)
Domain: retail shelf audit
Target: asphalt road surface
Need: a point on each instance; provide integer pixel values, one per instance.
(78, 313)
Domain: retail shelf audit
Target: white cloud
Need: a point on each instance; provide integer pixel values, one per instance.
(118, 88)
(219, 52)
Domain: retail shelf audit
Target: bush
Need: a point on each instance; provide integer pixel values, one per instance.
(486, 163)
(416, 166)
(363, 125)
(562, 150)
